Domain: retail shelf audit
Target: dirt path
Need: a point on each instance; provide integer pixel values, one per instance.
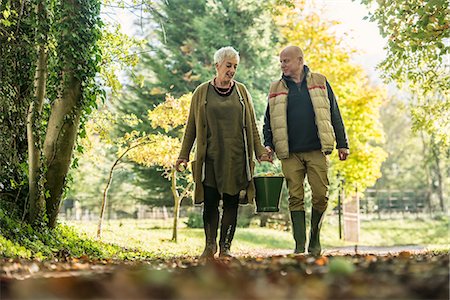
(349, 250)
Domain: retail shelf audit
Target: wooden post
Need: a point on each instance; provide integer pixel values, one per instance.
(341, 196)
(351, 218)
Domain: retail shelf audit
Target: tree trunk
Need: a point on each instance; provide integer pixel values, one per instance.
(108, 184)
(61, 134)
(105, 194)
(429, 181)
(177, 200)
(36, 197)
(435, 156)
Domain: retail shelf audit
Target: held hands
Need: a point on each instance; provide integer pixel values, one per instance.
(181, 164)
(268, 156)
(343, 153)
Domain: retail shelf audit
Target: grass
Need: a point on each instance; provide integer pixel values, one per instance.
(155, 235)
(148, 239)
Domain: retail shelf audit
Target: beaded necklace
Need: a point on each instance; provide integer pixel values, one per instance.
(222, 92)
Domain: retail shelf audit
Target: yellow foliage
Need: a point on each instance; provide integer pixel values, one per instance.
(161, 150)
(170, 114)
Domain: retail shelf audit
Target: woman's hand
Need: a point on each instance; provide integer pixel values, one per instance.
(181, 164)
(267, 156)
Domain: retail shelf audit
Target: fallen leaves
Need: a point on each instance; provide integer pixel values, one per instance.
(402, 276)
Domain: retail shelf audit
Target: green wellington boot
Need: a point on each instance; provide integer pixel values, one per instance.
(299, 230)
(314, 247)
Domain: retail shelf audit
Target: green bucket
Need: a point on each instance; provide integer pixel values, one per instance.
(268, 193)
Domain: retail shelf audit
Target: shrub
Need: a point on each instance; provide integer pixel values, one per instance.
(195, 219)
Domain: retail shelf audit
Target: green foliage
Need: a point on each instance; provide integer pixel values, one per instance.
(417, 33)
(68, 32)
(118, 54)
(181, 57)
(401, 171)
(17, 61)
(194, 219)
(417, 55)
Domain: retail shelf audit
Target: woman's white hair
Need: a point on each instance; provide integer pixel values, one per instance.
(224, 53)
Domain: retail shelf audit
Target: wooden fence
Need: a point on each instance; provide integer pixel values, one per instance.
(394, 201)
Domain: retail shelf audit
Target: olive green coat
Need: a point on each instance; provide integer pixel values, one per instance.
(196, 131)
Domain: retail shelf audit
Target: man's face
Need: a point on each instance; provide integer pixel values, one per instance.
(291, 63)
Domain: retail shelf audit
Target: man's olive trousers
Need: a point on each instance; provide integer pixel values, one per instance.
(314, 165)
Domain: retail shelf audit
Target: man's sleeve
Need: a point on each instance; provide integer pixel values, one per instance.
(267, 130)
(336, 120)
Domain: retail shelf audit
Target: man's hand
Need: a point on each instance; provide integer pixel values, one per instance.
(269, 152)
(343, 153)
(181, 165)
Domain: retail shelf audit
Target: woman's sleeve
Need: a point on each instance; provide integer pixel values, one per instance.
(257, 145)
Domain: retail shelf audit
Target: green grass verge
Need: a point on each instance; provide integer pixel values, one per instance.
(148, 239)
(20, 240)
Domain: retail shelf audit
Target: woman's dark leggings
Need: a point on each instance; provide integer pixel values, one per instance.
(211, 216)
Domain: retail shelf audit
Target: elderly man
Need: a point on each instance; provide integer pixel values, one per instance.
(301, 125)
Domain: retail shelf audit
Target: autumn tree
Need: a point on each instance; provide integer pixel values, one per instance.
(164, 147)
(359, 101)
(103, 161)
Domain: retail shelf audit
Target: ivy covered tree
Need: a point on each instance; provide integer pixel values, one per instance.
(359, 101)
(56, 57)
(18, 58)
(58, 77)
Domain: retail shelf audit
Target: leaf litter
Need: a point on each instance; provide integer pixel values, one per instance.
(404, 275)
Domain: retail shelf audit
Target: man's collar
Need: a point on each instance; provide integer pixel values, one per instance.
(305, 73)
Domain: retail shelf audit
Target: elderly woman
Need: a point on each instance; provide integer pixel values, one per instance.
(222, 120)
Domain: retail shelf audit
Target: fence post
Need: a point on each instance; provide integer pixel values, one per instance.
(351, 217)
(341, 197)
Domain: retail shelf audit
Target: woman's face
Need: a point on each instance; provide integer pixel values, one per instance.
(227, 69)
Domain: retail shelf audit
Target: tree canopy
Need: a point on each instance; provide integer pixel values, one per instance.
(418, 34)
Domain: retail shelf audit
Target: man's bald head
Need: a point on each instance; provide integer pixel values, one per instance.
(291, 60)
(292, 51)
